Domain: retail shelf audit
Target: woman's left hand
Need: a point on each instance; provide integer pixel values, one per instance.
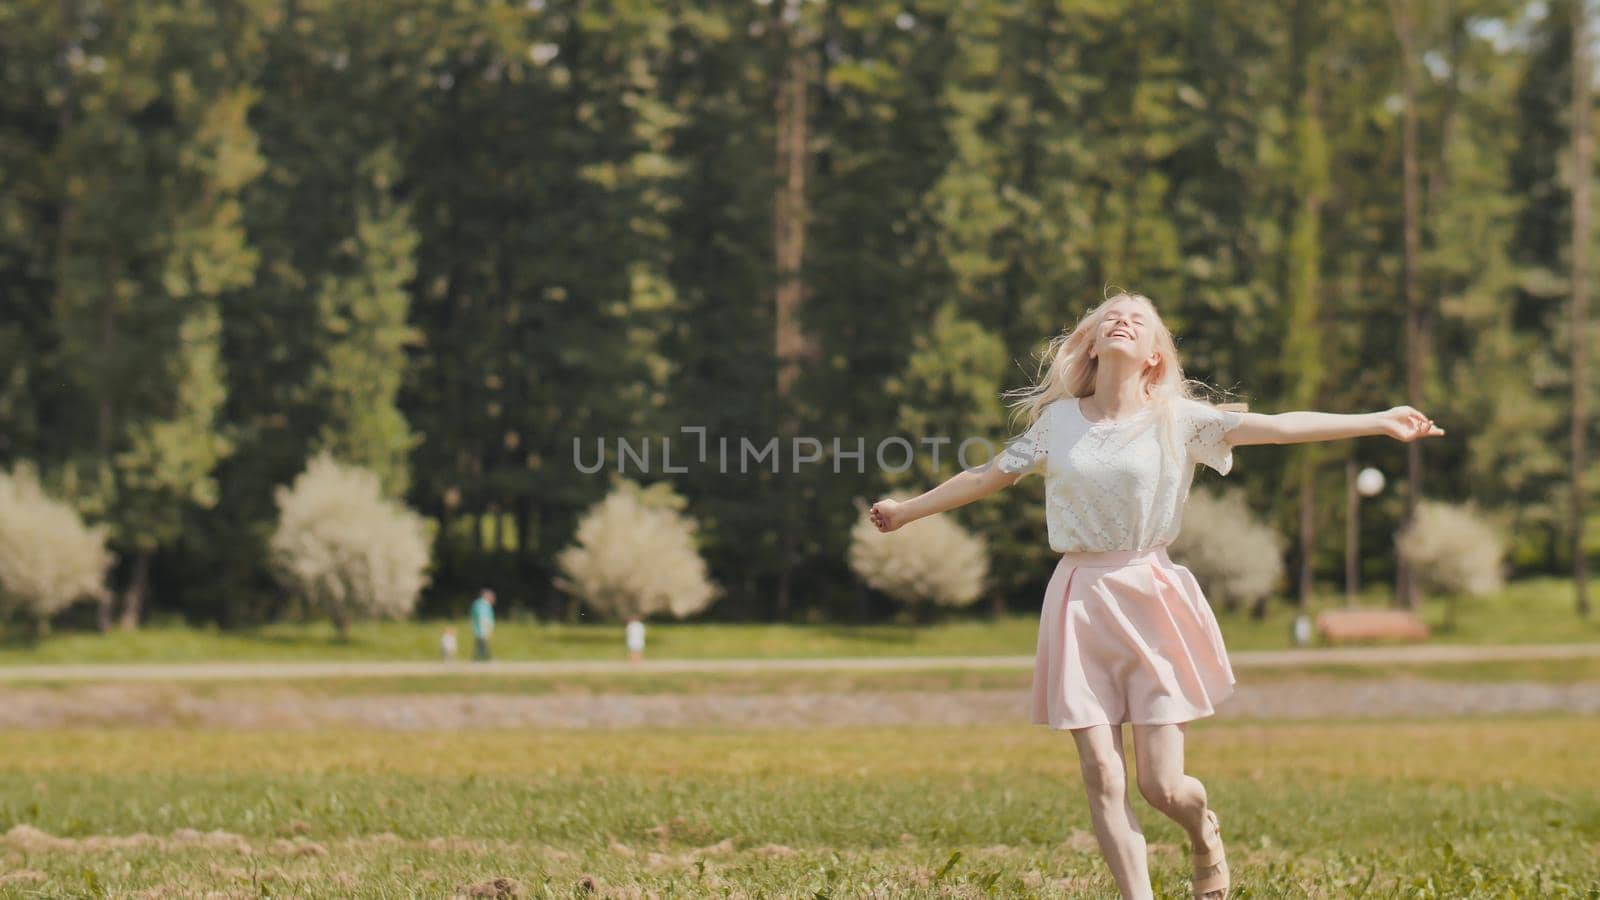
(1405, 423)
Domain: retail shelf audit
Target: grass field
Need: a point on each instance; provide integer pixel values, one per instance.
(1530, 611)
(1463, 808)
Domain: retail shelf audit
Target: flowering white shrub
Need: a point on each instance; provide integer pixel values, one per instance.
(635, 555)
(49, 558)
(345, 547)
(932, 560)
(1237, 558)
(1453, 549)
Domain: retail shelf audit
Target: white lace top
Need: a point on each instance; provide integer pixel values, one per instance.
(1107, 486)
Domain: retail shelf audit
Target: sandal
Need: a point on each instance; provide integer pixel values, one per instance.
(1211, 866)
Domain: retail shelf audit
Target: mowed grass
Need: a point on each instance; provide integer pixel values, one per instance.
(1459, 808)
(1530, 611)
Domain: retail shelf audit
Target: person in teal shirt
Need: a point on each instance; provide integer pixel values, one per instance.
(482, 624)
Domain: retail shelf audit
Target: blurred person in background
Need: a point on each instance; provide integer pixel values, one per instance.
(482, 624)
(634, 634)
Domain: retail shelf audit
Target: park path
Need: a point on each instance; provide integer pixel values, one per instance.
(286, 671)
(279, 707)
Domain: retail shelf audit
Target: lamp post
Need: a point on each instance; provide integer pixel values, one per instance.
(1366, 483)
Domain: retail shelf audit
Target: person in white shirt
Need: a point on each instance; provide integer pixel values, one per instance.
(1125, 634)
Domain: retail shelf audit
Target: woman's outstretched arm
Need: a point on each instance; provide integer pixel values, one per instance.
(1403, 423)
(957, 490)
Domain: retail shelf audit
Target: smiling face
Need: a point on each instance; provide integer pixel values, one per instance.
(1126, 329)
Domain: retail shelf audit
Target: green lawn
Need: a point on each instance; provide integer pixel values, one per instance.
(1464, 808)
(1530, 611)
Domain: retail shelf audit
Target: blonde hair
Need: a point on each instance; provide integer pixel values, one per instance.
(1067, 370)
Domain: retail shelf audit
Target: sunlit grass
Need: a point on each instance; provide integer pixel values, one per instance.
(1472, 807)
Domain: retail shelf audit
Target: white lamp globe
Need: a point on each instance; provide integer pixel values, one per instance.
(1369, 482)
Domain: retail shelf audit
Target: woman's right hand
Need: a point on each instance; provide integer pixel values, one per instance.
(887, 515)
(1404, 423)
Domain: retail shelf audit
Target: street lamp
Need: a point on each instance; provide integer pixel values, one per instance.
(1366, 483)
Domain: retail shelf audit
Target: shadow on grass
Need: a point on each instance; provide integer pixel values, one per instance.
(297, 640)
(873, 634)
(19, 639)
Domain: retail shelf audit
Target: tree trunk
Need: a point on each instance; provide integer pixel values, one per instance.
(790, 213)
(1352, 534)
(1582, 176)
(790, 210)
(1258, 609)
(1305, 339)
(441, 544)
(1308, 533)
(554, 604)
(133, 597)
(105, 610)
(523, 519)
(1415, 349)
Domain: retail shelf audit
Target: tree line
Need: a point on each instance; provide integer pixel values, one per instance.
(441, 240)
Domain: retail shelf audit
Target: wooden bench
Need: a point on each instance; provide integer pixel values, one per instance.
(1344, 626)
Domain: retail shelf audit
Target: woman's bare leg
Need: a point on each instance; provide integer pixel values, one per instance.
(1165, 786)
(1105, 778)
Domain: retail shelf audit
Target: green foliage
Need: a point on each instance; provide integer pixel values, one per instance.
(363, 312)
(952, 375)
(442, 240)
(169, 462)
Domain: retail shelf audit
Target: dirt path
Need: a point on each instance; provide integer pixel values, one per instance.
(280, 708)
(259, 671)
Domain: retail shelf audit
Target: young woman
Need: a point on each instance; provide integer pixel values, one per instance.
(1125, 635)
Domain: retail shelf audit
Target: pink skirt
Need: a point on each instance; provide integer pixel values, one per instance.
(1126, 636)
